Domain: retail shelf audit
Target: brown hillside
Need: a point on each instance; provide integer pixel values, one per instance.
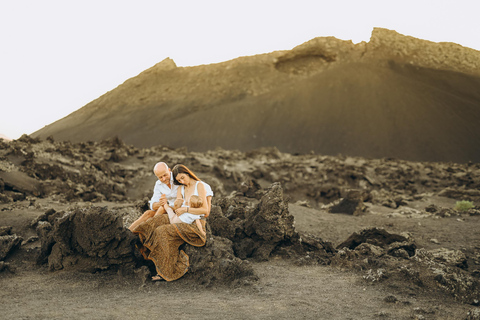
(395, 96)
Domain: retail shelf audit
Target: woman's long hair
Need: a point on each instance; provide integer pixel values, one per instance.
(180, 168)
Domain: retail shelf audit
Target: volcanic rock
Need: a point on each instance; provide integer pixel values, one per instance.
(8, 243)
(376, 236)
(268, 224)
(216, 263)
(461, 194)
(473, 314)
(88, 240)
(266, 229)
(351, 204)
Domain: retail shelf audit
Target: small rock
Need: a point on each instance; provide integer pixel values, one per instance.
(31, 239)
(390, 299)
(143, 274)
(8, 244)
(5, 231)
(473, 314)
(303, 203)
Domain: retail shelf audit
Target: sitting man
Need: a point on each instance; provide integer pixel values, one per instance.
(164, 192)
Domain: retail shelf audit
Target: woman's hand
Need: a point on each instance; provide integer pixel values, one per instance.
(181, 211)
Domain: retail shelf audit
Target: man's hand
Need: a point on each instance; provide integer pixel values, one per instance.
(160, 203)
(181, 211)
(155, 206)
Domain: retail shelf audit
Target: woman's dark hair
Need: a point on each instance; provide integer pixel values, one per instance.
(180, 168)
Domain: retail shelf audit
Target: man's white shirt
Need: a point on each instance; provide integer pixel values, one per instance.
(171, 193)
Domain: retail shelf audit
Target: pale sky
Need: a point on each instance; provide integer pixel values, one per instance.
(57, 56)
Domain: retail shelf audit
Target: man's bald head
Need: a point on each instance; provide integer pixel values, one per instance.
(162, 171)
(160, 166)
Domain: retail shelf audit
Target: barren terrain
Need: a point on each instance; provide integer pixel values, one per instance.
(395, 96)
(369, 238)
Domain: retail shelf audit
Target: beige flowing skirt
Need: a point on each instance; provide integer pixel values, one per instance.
(161, 241)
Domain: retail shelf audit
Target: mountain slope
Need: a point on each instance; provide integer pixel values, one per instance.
(328, 96)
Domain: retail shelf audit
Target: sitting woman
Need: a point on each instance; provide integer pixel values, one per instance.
(161, 239)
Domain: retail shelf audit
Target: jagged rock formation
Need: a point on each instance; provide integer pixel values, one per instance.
(250, 218)
(395, 96)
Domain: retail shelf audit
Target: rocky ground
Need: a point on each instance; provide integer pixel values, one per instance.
(290, 236)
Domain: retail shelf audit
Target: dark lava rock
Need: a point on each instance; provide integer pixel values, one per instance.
(8, 243)
(461, 193)
(45, 234)
(266, 229)
(250, 188)
(351, 204)
(390, 299)
(269, 223)
(4, 266)
(86, 240)
(20, 182)
(473, 314)
(95, 239)
(5, 230)
(216, 263)
(378, 237)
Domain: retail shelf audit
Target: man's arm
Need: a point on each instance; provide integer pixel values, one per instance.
(158, 199)
(156, 196)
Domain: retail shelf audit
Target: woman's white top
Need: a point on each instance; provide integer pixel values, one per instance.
(188, 217)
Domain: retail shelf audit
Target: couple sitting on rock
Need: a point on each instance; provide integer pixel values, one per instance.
(162, 229)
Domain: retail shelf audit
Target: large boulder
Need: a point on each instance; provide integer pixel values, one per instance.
(87, 240)
(266, 228)
(216, 263)
(95, 239)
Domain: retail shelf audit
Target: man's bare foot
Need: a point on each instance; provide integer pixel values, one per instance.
(157, 278)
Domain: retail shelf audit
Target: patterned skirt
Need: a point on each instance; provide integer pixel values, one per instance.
(161, 241)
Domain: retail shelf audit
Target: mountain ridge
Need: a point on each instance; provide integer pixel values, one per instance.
(214, 100)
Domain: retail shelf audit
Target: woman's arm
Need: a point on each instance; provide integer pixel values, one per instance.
(179, 197)
(204, 209)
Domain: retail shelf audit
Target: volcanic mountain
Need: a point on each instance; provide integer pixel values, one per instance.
(395, 96)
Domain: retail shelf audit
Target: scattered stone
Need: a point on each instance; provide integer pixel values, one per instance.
(20, 183)
(8, 243)
(473, 314)
(351, 204)
(250, 189)
(143, 274)
(450, 257)
(303, 203)
(370, 249)
(45, 234)
(376, 236)
(30, 240)
(432, 208)
(216, 263)
(461, 194)
(390, 299)
(375, 275)
(4, 266)
(5, 230)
